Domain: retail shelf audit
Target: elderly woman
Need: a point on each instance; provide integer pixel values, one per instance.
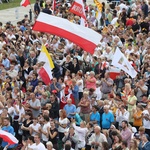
(49, 146)
(84, 104)
(91, 81)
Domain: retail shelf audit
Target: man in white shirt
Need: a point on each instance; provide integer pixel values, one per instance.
(37, 145)
(146, 119)
(97, 138)
(44, 129)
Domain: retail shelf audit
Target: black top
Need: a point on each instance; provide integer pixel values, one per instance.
(54, 140)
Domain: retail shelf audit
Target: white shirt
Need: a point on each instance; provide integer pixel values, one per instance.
(81, 85)
(64, 121)
(120, 117)
(146, 123)
(81, 132)
(98, 93)
(35, 127)
(44, 128)
(40, 146)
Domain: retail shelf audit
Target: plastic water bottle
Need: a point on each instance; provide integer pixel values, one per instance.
(16, 13)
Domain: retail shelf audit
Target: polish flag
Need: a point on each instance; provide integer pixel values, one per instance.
(78, 9)
(84, 37)
(25, 3)
(46, 74)
(114, 72)
(8, 137)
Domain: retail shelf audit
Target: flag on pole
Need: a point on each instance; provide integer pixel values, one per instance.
(45, 57)
(54, 5)
(25, 3)
(86, 38)
(99, 7)
(78, 9)
(46, 74)
(120, 61)
(8, 137)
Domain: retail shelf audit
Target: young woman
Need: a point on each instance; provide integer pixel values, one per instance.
(25, 125)
(53, 132)
(137, 116)
(133, 144)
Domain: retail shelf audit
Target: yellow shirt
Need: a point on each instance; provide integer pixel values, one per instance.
(137, 122)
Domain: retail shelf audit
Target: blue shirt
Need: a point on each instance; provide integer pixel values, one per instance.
(95, 117)
(75, 92)
(52, 87)
(6, 63)
(70, 109)
(107, 120)
(9, 129)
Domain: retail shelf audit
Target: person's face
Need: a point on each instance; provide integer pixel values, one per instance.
(116, 139)
(106, 110)
(5, 122)
(93, 109)
(52, 124)
(144, 139)
(69, 102)
(49, 147)
(123, 125)
(82, 125)
(32, 96)
(36, 139)
(27, 116)
(96, 130)
(71, 130)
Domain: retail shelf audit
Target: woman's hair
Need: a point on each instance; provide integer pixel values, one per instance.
(105, 145)
(140, 107)
(119, 137)
(135, 143)
(63, 113)
(106, 133)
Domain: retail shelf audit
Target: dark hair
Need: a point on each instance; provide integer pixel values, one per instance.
(91, 124)
(125, 143)
(46, 118)
(67, 147)
(31, 138)
(126, 122)
(95, 106)
(29, 113)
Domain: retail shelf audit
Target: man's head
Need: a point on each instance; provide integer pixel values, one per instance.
(68, 145)
(37, 139)
(97, 129)
(106, 108)
(6, 121)
(124, 124)
(69, 101)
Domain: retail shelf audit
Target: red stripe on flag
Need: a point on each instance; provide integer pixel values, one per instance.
(83, 43)
(8, 137)
(25, 3)
(44, 75)
(77, 9)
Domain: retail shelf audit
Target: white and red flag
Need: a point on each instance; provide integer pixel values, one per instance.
(46, 74)
(25, 3)
(8, 137)
(84, 37)
(78, 9)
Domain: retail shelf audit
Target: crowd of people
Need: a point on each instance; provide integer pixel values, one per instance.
(83, 108)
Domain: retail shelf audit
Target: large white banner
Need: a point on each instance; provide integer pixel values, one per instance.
(120, 61)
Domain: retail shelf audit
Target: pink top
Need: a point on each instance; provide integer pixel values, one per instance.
(92, 85)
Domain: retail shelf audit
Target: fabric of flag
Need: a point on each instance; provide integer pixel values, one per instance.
(114, 72)
(99, 5)
(84, 37)
(120, 61)
(45, 57)
(25, 3)
(64, 99)
(78, 8)
(98, 15)
(8, 137)
(54, 5)
(46, 74)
